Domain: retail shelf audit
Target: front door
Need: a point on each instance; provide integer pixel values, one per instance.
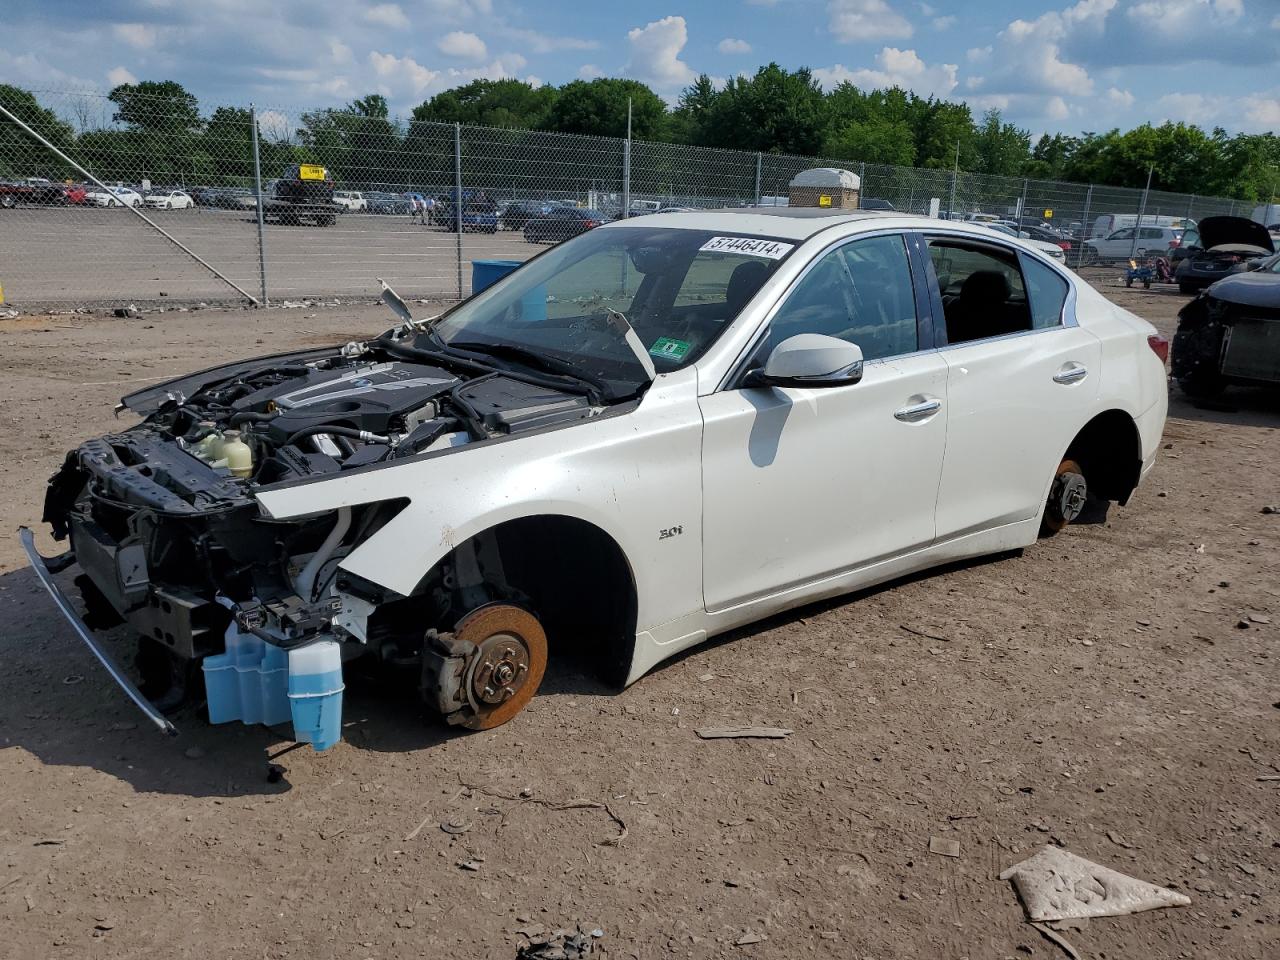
(800, 484)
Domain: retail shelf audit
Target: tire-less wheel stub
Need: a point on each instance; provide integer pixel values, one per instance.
(488, 669)
(1067, 496)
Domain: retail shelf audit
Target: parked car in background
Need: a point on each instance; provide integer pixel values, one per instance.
(1108, 223)
(1121, 245)
(114, 197)
(1052, 250)
(874, 203)
(237, 198)
(561, 224)
(39, 192)
(1223, 243)
(478, 216)
(1230, 334)
(169, 200)
(382, 202)
(640, 208)
(351, 201)
(520, 212)
(1046, 235)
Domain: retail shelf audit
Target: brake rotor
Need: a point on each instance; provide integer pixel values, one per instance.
(1067, 496)
(505, 666)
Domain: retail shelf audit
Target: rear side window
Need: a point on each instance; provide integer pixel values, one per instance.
(982, 290)
(1046, 294)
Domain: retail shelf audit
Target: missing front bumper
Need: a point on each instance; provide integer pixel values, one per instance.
(41, 568)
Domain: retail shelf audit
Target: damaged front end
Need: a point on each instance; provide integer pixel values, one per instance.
(164, 522)
(1229, 334)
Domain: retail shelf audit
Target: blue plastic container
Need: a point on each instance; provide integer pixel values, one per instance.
(485, 273)
(315, 693)
(248, 682)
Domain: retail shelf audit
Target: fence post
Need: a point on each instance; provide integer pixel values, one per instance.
(1191, 202)
(1022, 204)
(1142, 209)
(457, 200)
(1085, 230)
(257, 186)
(759, 170)
(626, 176)
(1232, 212)
(951, 204)
(862, 180)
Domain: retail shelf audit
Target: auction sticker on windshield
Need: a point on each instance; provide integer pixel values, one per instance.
(749, 246)
(669, 348)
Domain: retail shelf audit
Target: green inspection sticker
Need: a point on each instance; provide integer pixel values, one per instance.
(669, 348)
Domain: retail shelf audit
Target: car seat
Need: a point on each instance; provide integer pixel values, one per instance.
(982, 308)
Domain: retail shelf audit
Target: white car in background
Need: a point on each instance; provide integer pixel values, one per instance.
(1121, 245)
(352, 201)
(770, 406)
(1051, 250)
(169, 200)
(114, 197)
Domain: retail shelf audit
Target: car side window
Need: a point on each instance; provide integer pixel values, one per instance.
(1125, 234)
(860, 292)
(1046, 292)
(983, 294)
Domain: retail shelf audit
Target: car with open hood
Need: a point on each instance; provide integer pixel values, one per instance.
(652, 433)
(1230, 334)
(1221, 244)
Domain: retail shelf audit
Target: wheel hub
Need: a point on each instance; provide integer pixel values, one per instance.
(1069, 494)
(500, 668)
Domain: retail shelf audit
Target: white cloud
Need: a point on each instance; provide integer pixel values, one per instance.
(141, 36)
(1057, 109)
(978, 54)
(894, 68)
(1275, 24)
(1030, 51)
(537, 42)
(856, 20)
(1263, 112)
(402, 73)
(118, 75)
(589, 71)
(339, 52)
(730, 45)
(463, 45)
(1121, 98)
(655, 53)
(505, 66)
(944, 23)
(387, 15)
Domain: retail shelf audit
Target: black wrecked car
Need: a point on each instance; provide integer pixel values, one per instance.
(1230, 334)
(1221, 245)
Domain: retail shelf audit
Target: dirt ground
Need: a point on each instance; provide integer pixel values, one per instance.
(1114, 690)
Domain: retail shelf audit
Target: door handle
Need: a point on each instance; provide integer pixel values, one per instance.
(1071, 373)
(915, 412)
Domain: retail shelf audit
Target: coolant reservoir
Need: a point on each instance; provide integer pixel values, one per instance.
(210, 447)
(237, 454)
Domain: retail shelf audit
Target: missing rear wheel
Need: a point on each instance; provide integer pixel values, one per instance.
(1067, 495)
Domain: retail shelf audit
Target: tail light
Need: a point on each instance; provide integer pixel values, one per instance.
(1160, 346)
(1065, 244)
(1175, 242)
(592, 223)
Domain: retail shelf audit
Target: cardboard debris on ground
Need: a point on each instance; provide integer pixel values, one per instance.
(727, 733)
(1058, 885)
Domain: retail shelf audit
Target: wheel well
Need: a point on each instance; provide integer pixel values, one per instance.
(1109, 450)
(579, 584)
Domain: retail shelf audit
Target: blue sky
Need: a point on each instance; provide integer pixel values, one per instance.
(1049, 65)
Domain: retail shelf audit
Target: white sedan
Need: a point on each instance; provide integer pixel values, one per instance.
(169, 200)
(1051, 250)
(766, 407)
(114, 197)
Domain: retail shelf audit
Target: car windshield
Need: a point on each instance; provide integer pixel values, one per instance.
(678, 289)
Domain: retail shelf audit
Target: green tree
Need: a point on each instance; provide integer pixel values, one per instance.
(776, 110)
(687, 123)
(599, 107)
(20, 155)
(491, 103)
(360, 144)
(156, 106)
(1002, 149)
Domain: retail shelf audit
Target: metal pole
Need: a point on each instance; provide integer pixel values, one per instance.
(759, 172)
(134, 210)
(1142, 209)
(955, 173)
(1022, 204)
(1191, 202)
(1085, 229)
(457, 199)
(626, 167)
(862, 180)
(257, 184)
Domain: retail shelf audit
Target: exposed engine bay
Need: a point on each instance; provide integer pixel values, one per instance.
(164, 524)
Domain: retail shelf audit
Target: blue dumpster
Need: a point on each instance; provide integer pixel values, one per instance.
(485, 273)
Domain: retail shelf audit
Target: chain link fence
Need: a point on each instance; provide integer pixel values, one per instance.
(103, 203)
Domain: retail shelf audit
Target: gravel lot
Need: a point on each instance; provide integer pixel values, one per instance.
(98, 255)
(1113, 689)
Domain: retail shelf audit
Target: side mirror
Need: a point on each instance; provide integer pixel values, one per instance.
(809, 360)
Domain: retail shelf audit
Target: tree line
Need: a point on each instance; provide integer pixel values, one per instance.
(157, 130)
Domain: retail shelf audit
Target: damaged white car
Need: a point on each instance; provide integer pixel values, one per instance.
(650, 434)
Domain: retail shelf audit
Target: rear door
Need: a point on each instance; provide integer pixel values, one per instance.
(1022, 380)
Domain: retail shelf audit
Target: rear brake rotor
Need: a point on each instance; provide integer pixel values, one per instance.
(1067, 496)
